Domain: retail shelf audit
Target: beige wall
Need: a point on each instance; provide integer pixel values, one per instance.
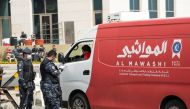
(182, 8)
(21, 17)
(106, 9)
(79, 11)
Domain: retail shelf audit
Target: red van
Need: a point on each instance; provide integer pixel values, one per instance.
(132, 65)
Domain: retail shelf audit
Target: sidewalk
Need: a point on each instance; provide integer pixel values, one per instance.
(17, 99)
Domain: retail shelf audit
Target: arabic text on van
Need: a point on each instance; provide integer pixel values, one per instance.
(143, 50)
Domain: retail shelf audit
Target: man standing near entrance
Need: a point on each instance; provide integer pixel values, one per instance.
(23, 37)
(50, 81)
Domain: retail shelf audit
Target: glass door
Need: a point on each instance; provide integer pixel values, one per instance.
(46, 28)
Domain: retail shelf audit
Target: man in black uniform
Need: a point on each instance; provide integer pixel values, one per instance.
(22, 38)
(41, 51)
(17, 52)
(26, 80)
(35, 55)
(50, 81)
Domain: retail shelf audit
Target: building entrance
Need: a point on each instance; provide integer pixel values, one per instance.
(46, 28)
(46, 24)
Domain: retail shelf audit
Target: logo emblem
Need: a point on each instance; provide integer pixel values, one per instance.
(177, 46)
(53, 67)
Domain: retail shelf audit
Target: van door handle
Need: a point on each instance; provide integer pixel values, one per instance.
(86, 72)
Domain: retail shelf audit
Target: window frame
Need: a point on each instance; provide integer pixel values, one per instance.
(73, 47)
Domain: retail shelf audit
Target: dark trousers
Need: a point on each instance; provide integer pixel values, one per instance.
(35, 57)
(51, 95)
(21, 42)
(26, 96)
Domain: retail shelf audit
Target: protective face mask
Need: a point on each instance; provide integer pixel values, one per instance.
(29, 56)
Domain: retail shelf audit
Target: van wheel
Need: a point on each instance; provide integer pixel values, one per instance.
(175, 104)
(79, 101)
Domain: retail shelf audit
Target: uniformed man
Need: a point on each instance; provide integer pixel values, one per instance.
(17, 51)
(35, 55)
(50, 81)
(26, 80)
(54, 48)
(41, 51)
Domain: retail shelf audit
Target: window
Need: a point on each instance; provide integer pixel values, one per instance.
(152, 5)
(45, 19)
(51, 6)
(6, 28)
(44, 6)
(5, 19)
(4, 8)
(97, 11)
(37, 26)
(98, 18)
(169, 8)
(97, 4)
(38, 6)
(134, 5)
(78, 52)
(55, 29)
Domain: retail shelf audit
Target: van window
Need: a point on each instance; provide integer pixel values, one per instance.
(80, 52)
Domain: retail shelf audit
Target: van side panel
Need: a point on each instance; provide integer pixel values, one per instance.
(136, 67)
(101, 89)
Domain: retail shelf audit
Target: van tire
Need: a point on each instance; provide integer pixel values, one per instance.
(175, 104)
(79, 101)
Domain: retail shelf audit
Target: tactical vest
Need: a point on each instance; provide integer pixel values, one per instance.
(46, 76)
(28, 73)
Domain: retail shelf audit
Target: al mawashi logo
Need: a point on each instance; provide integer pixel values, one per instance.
(177, 47)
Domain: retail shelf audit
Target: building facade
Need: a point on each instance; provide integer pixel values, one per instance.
(62, 21)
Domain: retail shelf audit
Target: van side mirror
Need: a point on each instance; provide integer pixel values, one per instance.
(61, 58)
